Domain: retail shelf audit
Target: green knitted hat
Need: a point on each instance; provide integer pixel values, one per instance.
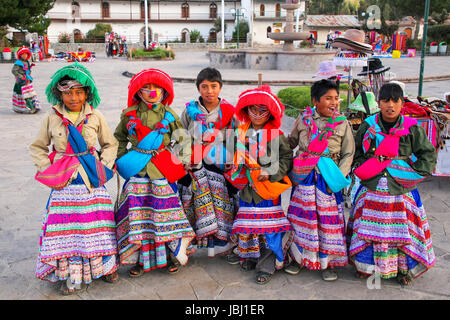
(77, 72)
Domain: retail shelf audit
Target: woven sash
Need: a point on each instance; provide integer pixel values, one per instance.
(246, 171)
(208, 149)
(59, 173)
(388, 148)
(149, 140)
(307, 161)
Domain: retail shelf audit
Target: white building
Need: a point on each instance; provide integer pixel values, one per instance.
(268, 16)
(168, 20)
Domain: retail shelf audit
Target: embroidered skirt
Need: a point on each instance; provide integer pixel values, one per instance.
(389, 233)
(262, 224)
(150, 216)
(78, 236)
(22, 104)
(317, 218)
(210, 209)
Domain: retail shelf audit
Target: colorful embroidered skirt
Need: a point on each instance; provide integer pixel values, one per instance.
(78, 236)
(388, 233)
(20, 104)
(261, 224)
(210, 210)
(149, 217)
(317, 218)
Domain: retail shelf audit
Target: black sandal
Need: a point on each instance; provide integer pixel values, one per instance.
(248, 265)
(263, 277)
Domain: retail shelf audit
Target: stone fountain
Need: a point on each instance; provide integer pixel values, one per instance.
(289, 36)
(286, 58)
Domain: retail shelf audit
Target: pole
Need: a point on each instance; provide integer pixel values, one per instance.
(223, 24)
(238, 13)
(424, 46)
(146, 23)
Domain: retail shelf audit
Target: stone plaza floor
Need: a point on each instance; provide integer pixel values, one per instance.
(23, 199)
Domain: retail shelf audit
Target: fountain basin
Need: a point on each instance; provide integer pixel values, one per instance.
(300, 60)
(289, 36)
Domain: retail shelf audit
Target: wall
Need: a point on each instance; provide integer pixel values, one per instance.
(167, 30)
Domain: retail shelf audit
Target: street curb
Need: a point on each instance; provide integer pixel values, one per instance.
(306, 82)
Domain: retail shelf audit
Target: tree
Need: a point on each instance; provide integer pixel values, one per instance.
(402, 8)
(218, 25)
(26, 15)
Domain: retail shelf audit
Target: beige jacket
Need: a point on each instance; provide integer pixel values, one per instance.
(341, 142)
(53, 132)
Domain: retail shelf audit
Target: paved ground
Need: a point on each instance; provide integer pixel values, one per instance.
(22, 201)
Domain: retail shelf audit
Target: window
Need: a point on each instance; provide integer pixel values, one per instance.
(143, 9)
(262, 9)
(75, 10)
(213, 11)
(185, 10)
(105, 10)
(278, 10)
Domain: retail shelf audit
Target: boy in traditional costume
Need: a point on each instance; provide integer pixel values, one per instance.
(78, 238)
(150, 218)
(24, 98)
(324, 157)
(260, 165)
(209, 199)
(388, 230)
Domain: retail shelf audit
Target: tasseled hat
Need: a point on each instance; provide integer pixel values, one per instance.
(23, 50)
(260, 96)
(155, 76)
(77, 72)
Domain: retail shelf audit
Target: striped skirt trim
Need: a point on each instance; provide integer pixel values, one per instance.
(265, 217)
(317, 218)
(149, 210)
(78, 235)
(389, 232)
(208, 205)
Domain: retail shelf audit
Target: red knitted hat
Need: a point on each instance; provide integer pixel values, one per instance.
(154, 76)
(23, 50)
(260, 96)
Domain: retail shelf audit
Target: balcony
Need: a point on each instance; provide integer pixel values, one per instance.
(135, 17)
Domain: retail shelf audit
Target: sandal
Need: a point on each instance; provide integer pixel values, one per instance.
(136, 271)
(248, 265)
(111, 278)
(232, 258)
(293, 268)
(263, 277)
(173, 267)
(65, 291)
(329, 275)
(68, 288)
(404, 279)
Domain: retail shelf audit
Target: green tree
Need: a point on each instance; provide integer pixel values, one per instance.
(99, 30)
(26, 15)
(243, 30)
(402, 8)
